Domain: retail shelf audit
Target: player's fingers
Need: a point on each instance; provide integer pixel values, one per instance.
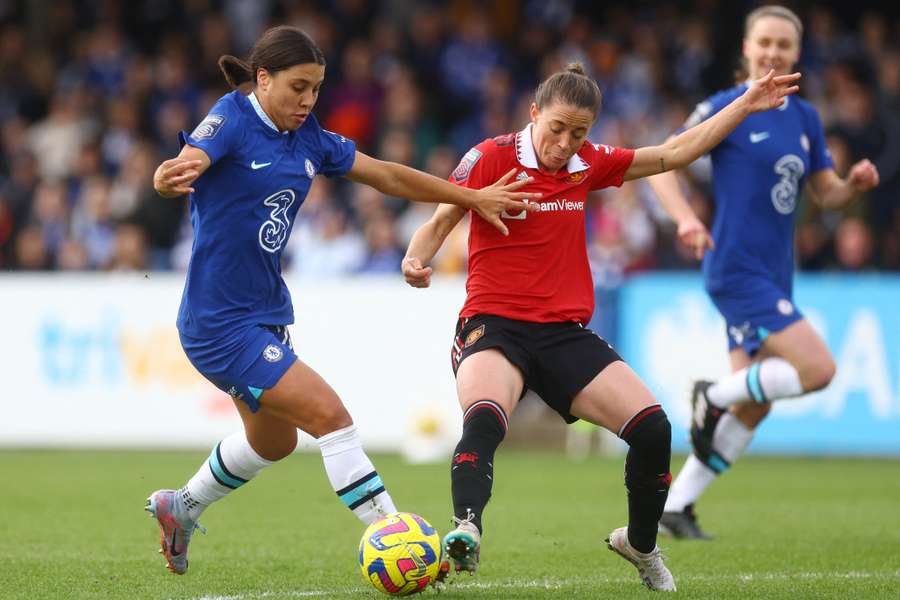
(497, 222)
(502, 181)
(516, 199)
(517, 184)
(765, 79)
(513, 206)
(186, 176)
(179, 165)
(699, 245)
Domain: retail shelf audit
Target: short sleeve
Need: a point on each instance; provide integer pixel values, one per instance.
(609, 166)
(471, 172)
(218, 133)
(338, 153)
(704, 110)
(819, 155)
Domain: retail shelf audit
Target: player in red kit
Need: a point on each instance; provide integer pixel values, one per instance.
(530, 295)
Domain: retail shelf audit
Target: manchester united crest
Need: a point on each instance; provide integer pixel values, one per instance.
(474, 336)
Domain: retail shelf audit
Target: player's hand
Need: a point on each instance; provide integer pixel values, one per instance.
(501, 196)
(174, 177)
(769, 91)
(863, 176)
(415, 274)
(694, 235)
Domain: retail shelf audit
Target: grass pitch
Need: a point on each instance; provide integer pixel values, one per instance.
(72, 526)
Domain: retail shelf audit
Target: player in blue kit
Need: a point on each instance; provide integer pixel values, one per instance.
(248, 167)
(759, 171)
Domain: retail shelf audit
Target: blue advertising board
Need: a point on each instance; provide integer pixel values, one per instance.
(671, 334)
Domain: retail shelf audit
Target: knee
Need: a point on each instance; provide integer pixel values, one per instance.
(649, 431)
(330, 420)
(273, 445)
(283, 448)
(647, 462)
(818, 375)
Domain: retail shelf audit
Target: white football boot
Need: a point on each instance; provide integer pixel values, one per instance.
(650, 566)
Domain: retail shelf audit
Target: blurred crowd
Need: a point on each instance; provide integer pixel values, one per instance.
(93, 94)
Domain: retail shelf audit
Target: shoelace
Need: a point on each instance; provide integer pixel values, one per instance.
(469, 518)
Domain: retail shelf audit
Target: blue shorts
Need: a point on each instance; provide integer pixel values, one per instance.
(243, 365)
(753, 310)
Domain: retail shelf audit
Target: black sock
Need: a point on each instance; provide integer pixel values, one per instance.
(472, 468)
(647, 476)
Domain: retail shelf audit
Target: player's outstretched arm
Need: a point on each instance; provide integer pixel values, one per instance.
(832, 192)
(425, 243)
(174, 177)
(401, 181)
(692, 233)
(765, 93)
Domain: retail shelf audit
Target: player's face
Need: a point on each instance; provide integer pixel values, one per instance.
(559, 131)
(288, 96)
(771, 43)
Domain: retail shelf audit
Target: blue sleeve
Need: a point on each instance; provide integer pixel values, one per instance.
(819, 155)
(218, 133)
(705, 110)
(338, 153)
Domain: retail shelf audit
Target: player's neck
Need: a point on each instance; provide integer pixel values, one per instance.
(261, 104)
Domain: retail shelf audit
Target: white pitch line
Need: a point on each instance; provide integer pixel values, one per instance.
(554, 584)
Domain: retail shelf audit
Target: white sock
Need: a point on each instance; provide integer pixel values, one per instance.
(730, 439)
(690, 483)
(233, 463)
(353, 476)
(764, 381)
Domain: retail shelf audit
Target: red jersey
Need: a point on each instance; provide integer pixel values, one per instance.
(540, 272)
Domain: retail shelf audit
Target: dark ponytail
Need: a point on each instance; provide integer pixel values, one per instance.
(279, 48)
(236, 71)
(571, 86)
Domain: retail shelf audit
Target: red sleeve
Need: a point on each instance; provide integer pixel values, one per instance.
(473, 171)
(609, 165)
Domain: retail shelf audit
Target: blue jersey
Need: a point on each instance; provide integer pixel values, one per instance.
(758, 173)
(243, 210)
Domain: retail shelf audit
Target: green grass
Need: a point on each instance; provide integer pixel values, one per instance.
(72, 526)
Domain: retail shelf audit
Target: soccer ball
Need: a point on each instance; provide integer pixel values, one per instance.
(400, 554)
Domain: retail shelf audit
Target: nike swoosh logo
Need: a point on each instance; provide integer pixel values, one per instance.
(758, 136)
(254, 165)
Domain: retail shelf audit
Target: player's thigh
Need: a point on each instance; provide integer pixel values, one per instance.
(800, 345)
(489, 375)
(739, 359)
(271, 437)
(615, 395)
(303, 399)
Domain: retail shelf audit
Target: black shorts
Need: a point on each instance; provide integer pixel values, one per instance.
(557, 360)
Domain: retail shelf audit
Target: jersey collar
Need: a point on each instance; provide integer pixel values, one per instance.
(254, 102)
(527, 158)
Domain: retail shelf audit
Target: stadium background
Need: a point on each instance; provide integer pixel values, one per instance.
(94, 93)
